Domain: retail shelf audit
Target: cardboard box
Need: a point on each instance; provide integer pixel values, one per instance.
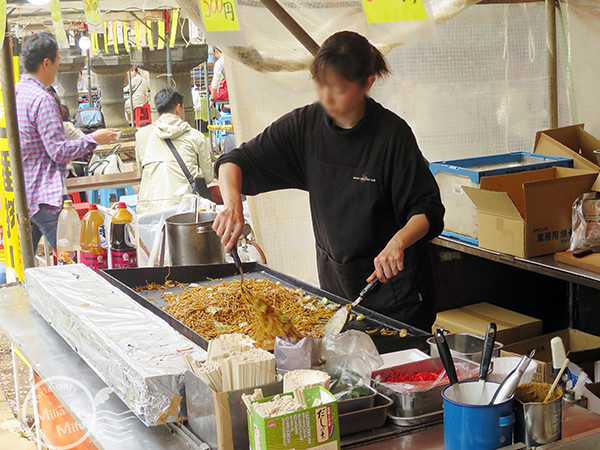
(512, 326)
(219, 418)
(571, 142)
(582, 349)
(314, 427)
(529, 214)
(592, 393)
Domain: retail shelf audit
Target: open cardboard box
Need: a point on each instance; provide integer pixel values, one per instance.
(529, 214)
(474, 319)
(582, 349)
(571, 142)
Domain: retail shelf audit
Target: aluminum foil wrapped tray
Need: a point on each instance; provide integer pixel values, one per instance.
(132, 350)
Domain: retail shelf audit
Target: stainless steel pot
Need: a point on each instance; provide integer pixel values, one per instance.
(192, 242)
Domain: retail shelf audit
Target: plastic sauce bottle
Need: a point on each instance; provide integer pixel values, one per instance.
(93, 254)
(123, 252)
(68, 234)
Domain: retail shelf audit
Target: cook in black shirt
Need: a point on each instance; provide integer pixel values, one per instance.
(374, 203)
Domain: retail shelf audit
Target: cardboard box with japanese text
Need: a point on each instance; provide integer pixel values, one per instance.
(315, 427)
(529, 214)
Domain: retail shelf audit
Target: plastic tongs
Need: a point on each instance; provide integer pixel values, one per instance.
(446, 357)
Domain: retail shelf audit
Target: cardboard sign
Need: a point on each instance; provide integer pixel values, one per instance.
(382, 11)
(12, 244)
(219, 15)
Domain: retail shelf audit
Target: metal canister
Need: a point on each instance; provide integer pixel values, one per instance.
(194, 242)
(538, 423)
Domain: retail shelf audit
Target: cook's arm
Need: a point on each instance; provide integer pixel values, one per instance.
(391, 260)
(230, 222)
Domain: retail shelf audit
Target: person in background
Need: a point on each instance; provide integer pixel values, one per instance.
(140, 91)
(71, 131)
(218, 74)
(45, 147)
(163, 181)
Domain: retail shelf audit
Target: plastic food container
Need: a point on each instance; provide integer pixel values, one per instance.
(366, 419)
(464, 345)
(501, 367)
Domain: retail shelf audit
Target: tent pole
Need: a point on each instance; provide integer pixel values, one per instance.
(552, 63)
(292, 26)
(14, 153)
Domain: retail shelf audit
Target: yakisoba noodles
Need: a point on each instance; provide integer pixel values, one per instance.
(221, 308)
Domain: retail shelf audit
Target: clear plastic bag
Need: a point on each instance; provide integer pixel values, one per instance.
(586, 221)
(349, 358)
(464, 371)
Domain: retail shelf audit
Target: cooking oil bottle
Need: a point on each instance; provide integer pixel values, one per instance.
(122, 251)
(93, 253)
(68, 234)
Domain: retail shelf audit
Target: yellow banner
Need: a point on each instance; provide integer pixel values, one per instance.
(126, 36)
(380, 11)
(173, 29)
(10, 228)
(149, 36)
(136, 28)
(57, 24)
(2, 21)
(115, 37)
(105, 39)
(219, 15)
(161, 34)
(93, 16)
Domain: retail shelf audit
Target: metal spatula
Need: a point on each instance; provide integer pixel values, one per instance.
(338, 321)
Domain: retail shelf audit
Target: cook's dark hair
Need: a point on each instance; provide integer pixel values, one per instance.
(351, 55)
(36, 49)
(135, 69)
(167, 99)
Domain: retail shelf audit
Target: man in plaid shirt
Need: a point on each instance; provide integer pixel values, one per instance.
(46, 149)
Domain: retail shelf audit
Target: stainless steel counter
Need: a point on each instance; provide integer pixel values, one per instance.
(53, 360)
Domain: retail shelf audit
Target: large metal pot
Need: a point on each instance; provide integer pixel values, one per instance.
(192, 242)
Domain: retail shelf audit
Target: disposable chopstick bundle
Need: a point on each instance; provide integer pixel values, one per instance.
(304, 378)
(280, 405)
(234, 363)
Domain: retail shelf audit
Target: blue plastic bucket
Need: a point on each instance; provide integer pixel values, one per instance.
(468, 425)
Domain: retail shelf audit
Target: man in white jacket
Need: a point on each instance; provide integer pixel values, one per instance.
(140, 91)
(163, 181)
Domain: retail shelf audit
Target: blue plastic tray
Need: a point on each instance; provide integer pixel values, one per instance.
(477, 168)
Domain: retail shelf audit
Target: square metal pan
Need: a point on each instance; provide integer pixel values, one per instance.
(128, 279)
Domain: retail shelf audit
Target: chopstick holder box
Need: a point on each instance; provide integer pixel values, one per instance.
(219, 418)
(314, 427)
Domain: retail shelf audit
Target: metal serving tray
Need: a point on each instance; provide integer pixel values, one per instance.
(365, 419)
(464, 345)
(416, 408)
(359, 403)
(129, 279)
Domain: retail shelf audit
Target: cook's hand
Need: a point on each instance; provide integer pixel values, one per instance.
(105, 136)
(389, 262)
(229, 224)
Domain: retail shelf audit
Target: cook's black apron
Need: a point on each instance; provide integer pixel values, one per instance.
(352, 216)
